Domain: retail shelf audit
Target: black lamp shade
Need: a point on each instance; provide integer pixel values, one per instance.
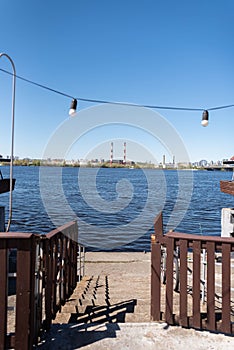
(74, 104)
(205, 118)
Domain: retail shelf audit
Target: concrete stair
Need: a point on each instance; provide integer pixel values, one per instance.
(118, 291)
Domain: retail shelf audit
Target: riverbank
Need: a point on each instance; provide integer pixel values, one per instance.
(117, 165)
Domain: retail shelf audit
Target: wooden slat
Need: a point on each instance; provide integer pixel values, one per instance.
(64, 229)
(227, 187)
(63, 247)
(169, 281)
(60, 269)
(68, 266)
(55, 267)
(196, 284)
(158, 225)
(33, 335)
(211, 324)
(155, 279)
(190, 237)
(66, 270)
(3, 293)
(23, 295)
(183, 284)
(226, 289)
(75, 256)
(48, 284)
(16, 236)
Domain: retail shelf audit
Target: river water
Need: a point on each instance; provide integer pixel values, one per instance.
(115, 208)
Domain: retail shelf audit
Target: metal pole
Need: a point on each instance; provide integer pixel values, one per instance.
(12, 137)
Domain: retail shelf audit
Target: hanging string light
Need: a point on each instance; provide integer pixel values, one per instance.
(205, 118)
(73, 107)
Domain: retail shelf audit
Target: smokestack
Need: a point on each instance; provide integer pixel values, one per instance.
(125, 145)
(111, 154)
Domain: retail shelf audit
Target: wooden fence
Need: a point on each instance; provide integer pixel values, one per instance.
(46, 276)
(205, 296)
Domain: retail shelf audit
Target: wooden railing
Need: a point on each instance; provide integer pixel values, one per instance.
(227, 187)
(46, 276)
(205, 266)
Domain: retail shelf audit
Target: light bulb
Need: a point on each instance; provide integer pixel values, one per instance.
(204, 122)
(72, 112)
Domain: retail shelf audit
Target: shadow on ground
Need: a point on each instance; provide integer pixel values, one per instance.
(73, 336)
(104, 313)
(97, 323)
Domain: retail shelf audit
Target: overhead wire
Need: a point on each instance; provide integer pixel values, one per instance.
(90, 100)
(37, 84)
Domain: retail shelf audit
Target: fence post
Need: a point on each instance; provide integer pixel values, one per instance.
(155, 279)
(24, 293)
(196, 284)
(211, 322)
(226, 286)
(169, 279)
(3, 293)
(183, 283)
(48, 283)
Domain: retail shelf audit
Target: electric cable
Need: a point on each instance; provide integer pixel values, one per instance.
(90, 100)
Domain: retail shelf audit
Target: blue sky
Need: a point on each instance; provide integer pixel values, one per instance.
(168, 53)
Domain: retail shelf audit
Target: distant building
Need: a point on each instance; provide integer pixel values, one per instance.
(203, 163)
(164, 161)
(117, 161)
(83, 162)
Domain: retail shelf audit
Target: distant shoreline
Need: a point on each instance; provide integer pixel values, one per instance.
(115, 166)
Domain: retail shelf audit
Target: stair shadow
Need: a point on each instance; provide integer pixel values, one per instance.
(104, 313)
(97, 322)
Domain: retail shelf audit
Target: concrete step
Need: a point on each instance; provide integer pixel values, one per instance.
(97, 299)
(116, 287)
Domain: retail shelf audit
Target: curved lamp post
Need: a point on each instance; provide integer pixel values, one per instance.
(12, 137)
